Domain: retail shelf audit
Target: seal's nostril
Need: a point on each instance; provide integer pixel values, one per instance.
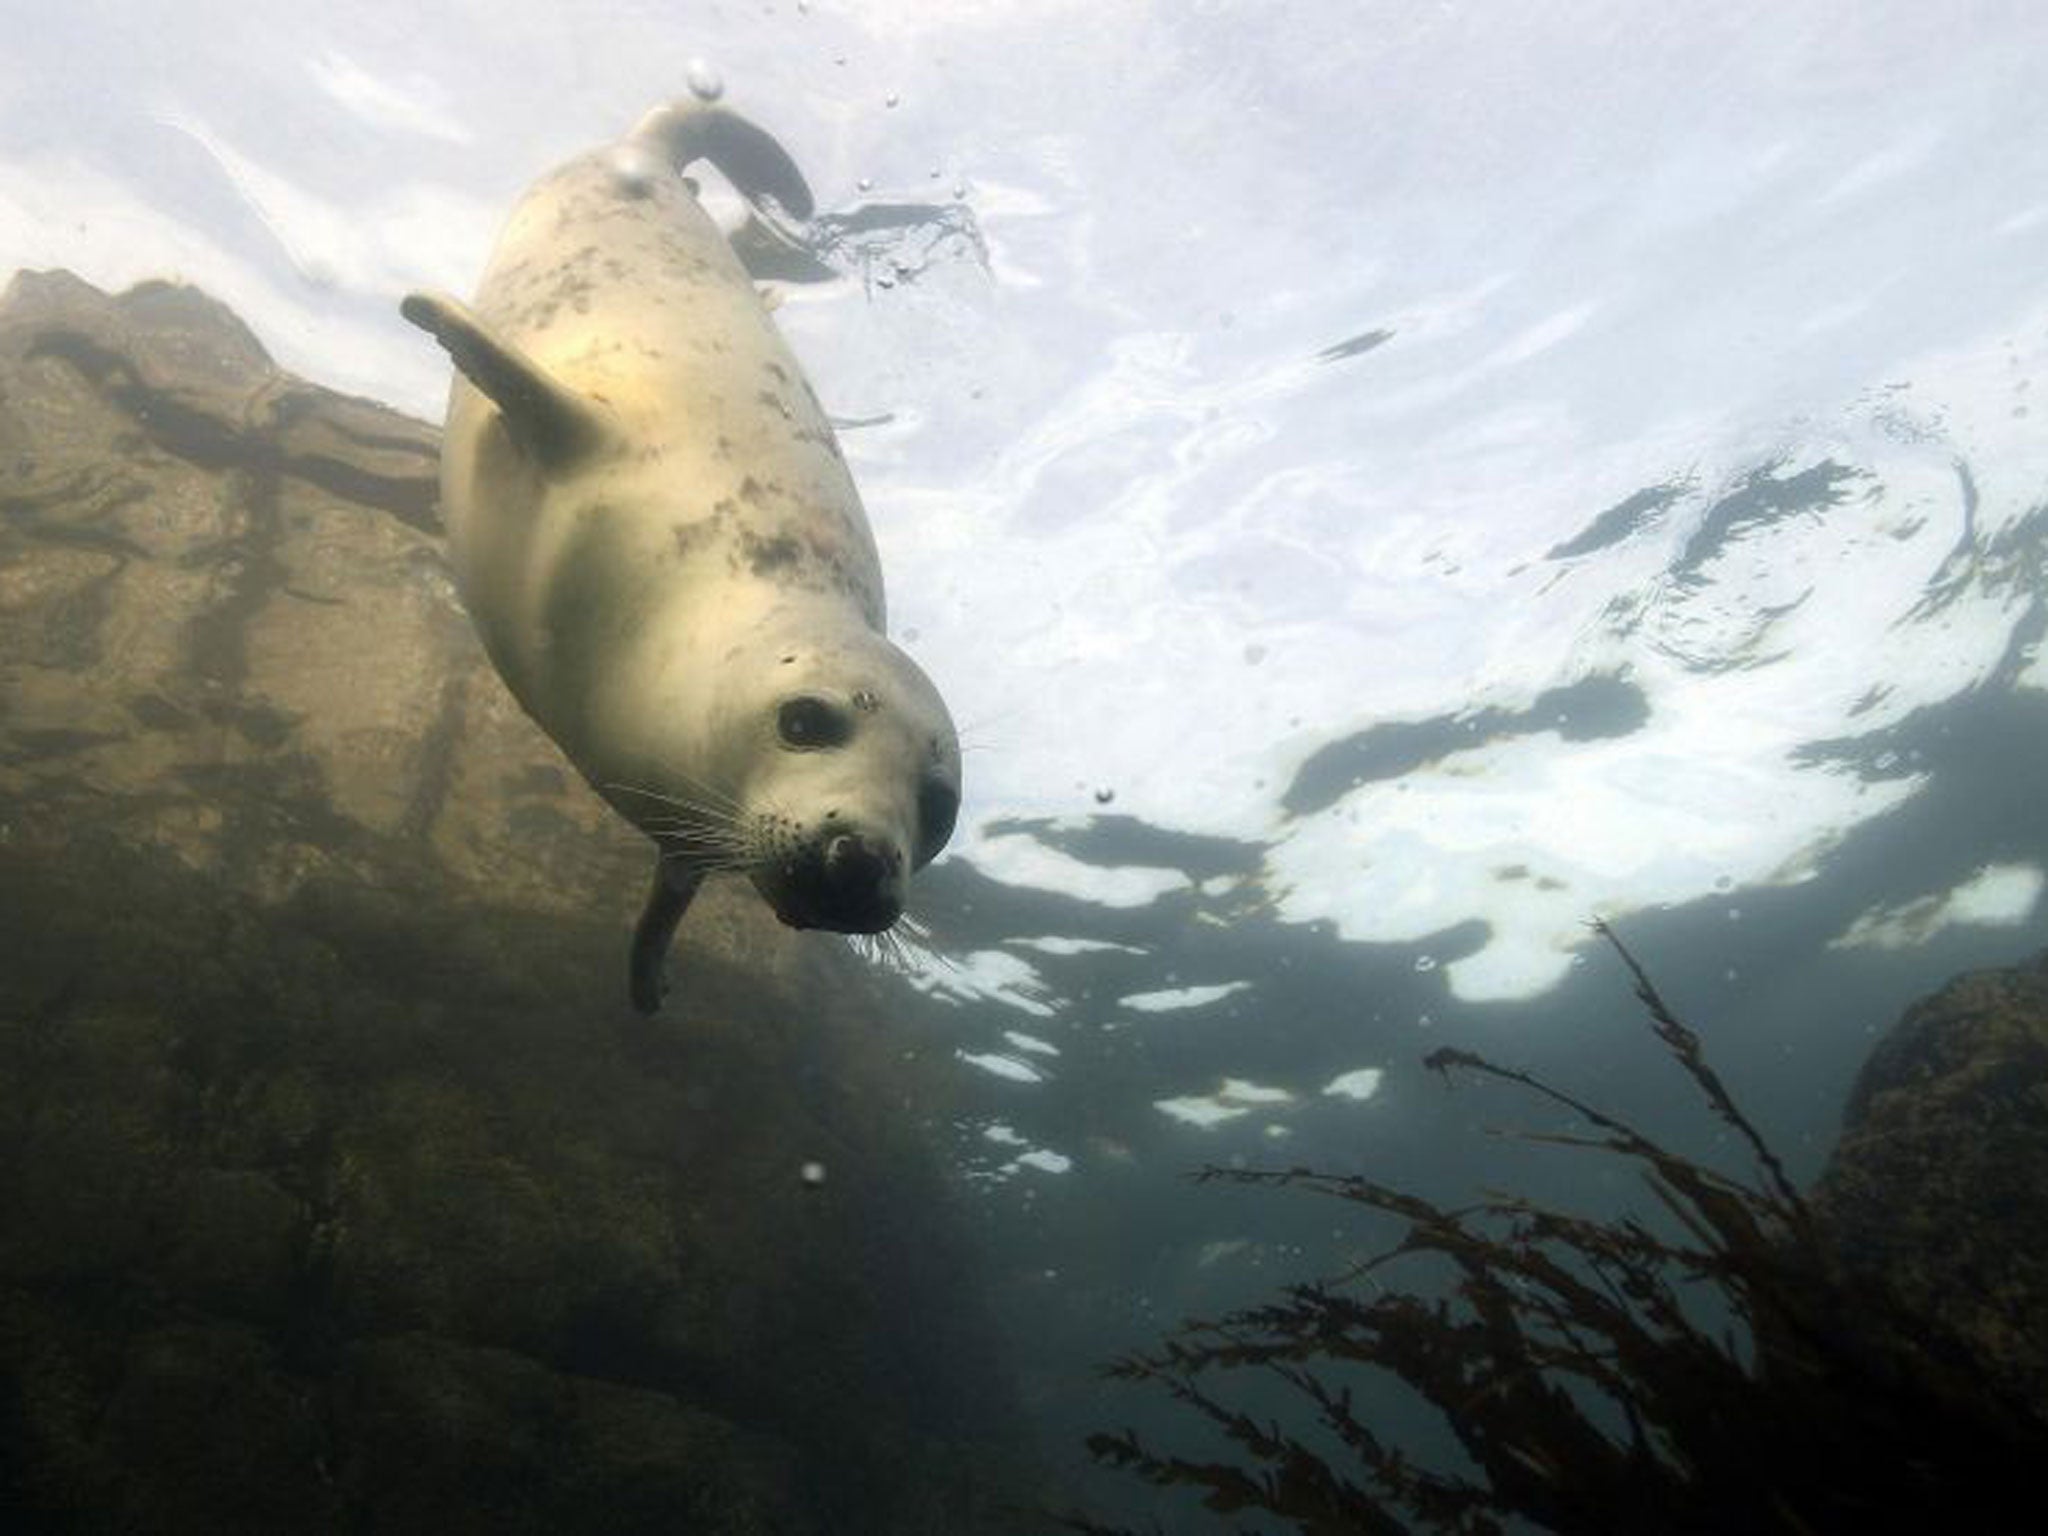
(854, 867)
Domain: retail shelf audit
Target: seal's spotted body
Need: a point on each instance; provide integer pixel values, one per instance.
(658, 539)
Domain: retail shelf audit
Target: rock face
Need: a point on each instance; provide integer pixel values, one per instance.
(1939, 1185)
(339, 1190)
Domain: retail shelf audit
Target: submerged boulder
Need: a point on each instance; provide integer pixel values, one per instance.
(1939, 1185)
(339, 1188)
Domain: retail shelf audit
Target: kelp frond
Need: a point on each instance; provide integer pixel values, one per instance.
(1572, 1361)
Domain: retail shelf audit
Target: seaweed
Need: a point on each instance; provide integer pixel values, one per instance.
(1713, 1372)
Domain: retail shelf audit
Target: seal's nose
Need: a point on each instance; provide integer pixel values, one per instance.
(847, 879)
(849, 861)
(863, 882)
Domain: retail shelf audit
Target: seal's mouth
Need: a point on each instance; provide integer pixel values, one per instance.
(847, 882)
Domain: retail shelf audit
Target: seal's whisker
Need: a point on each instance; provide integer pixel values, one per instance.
(705, 807)
(701, 836)
(708, 861)
(920, 939)
(902, 948)
(875, 949)
(695, 816)
(686, 836)
(703, 795)
(710, 799)
(710, 793)
(974, 735)
(705, 823)
(710, 832)
(700, 856)
(706, 819)
(635, 789)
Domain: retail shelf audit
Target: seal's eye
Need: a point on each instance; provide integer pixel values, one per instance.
(809, 724)
(938, 806)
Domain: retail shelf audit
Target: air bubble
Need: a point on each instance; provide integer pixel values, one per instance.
(891, 99)
(704, 82)
(812, 1173)
(866, 184)
(1425, 962)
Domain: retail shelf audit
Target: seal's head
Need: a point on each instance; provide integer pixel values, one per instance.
(837, 776)
(857, 785)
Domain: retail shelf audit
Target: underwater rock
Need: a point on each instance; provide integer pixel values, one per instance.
(455, 1438)
(339, 1187)
(225, 629)
(1939, 1184)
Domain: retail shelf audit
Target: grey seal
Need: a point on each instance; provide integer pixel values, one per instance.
(656, 536)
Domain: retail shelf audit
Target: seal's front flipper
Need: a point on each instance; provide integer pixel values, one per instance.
(550, 423)
(674, 885)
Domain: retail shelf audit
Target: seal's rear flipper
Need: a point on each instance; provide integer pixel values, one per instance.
(550, 423)
(772, 253)
(748, 156)
(666, 903)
